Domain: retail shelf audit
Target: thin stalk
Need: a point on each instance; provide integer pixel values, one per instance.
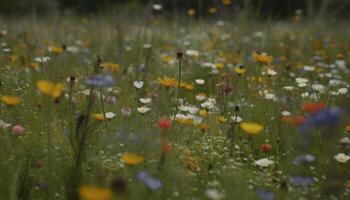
(103, 109)
(71, 124)
(161, 161)
(50, 167)
(178, 89)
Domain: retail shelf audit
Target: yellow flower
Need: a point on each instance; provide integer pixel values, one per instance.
(99, 117)
(191, 12)
(219, 65)
(185, 121)
(347, 128)
(132, 158)
(167, 81)
(240, 70)
(187, 86)
(10, 100)
(203, 113)
(262, 58)
(203, 126)
(221, 119)
(12, 58)
(55, 49)
(94, 193)
(213, 10)
(226, 2)
(51, 89)
(112, 67)
(34, 65)
(167, 59)
(190, 161)
(251, 128)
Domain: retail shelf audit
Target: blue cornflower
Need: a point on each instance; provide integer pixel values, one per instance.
(324, 117)
(150, 182)
(303, 159)
(301, 180)
(104, 80)
(265, 195)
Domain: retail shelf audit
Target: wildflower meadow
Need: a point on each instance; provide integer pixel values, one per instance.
(124, 105)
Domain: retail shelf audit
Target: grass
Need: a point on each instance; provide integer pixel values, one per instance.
(64, 146)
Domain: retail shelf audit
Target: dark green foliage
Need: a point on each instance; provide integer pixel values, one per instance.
(258, 8)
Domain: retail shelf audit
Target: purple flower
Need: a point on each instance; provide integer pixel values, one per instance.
(301, 180)
(265, 195)
(150, 182)
(142, 176)
(111, 100)
(153, 184)
(101, 81)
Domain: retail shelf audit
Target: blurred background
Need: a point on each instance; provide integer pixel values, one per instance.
(199, 8)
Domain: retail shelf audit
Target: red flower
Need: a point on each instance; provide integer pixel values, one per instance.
(313, 108)
(164, 123)
(266, 148)
(166, 148)
(298, 120)
(295, 120)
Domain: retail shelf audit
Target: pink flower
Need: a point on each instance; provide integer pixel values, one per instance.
(111, 100)
(126, 111)
(17, 129)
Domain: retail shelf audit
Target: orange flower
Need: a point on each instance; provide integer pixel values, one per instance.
(296, 120)
(99, 117)
(313, 108)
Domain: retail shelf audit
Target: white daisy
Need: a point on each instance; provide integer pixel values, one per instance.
(157, 7)
(200, 81)
(342, 158)
(192, 53)
(264, 162)
(145, 100)
(271, 72)
(143, 109)
(110, 115)
(285, 113)
(138, 84)
(214, 194)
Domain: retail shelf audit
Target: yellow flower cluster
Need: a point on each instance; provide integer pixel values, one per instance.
(262, 58)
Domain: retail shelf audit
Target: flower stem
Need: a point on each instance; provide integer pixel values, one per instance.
(178, 89)
(103, 109)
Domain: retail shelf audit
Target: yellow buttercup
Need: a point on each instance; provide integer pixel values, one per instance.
(50, 88)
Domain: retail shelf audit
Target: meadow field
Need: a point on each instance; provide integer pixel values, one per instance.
(109, 107)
